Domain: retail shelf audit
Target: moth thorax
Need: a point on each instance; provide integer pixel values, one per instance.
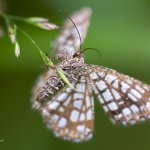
(73, 63)
(77, 62)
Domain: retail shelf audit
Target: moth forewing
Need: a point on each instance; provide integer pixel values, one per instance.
(70, 113)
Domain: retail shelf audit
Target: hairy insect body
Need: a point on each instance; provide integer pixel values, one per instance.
(73, 69)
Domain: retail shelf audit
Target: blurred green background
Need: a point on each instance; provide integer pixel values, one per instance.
(119, 28)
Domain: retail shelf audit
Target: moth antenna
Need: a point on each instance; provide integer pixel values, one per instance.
(74, 26)
(89, 48)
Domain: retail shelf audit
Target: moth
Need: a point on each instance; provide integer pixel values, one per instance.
(69, 113)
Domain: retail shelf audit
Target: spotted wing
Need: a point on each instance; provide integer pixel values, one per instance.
(70, 113)
(124, 99)
(68, 42)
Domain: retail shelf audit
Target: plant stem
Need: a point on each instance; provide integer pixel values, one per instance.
(17, 18)
(11, 17)
(3, 15)
(29, 37)
(46, 60)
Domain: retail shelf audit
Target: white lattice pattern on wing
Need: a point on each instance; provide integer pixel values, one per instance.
(125, 99)
(70, 113)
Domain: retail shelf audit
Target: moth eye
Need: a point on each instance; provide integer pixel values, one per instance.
(75, 55)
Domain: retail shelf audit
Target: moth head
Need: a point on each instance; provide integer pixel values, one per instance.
(76, 60)
(78, 55)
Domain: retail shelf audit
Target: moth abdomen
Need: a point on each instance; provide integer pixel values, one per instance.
(52, 85)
